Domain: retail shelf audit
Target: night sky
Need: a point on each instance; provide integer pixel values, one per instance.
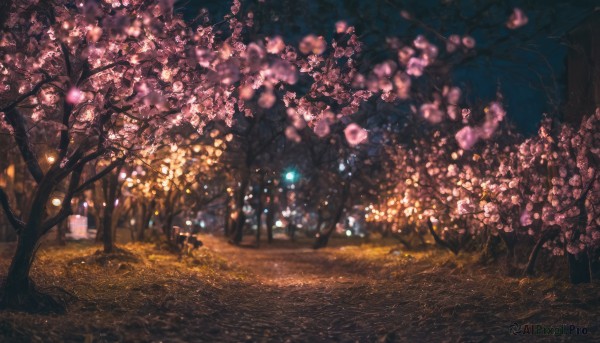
(526, 66)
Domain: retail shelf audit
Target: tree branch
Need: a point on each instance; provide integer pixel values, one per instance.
(64, 133)
(100, 175)
(76, 160)
(17, 122)
(16, 223)
(66, 209)
(89, 73)
(24, 96)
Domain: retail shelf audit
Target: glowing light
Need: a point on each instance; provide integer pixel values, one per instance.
(278, 223)
(348, 233)
(74, 96)
(188, 222)
(56, 202)
(291, 176)
(51, 159)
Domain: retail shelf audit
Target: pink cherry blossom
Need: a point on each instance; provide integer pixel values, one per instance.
(355, 134)
(467, 137)
(517, 19)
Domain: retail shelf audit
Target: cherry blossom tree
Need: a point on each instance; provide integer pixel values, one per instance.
(102, 81)
(533, 193)
(81, 78)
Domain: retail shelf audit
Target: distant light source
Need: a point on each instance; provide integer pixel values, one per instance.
(51, 159)
(56, 202)
(351, 221)
(279, 223)
(348, 233)
(188, 222)
(291, 176)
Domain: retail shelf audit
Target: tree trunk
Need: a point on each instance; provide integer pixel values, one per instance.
(168, 226)
(227, 217)
(594, 256)
(238, 233)
(579, 268)
(489, 252)
(385, 230)
(510, 241)
(319, 220)
(439, 240)
(139, 213)
(270, 220)
(97, 210)
(397, 235)
(169, 213)
(323, 238)
(61, 230)
(259, 212)
(258, 228)
(110, 190)
(147, 215)
(18, 289)
(550, 234)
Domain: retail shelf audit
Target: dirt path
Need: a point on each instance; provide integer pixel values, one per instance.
(305, 295)
(313, 296)
(283, 293)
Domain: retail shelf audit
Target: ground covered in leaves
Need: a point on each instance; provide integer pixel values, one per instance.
(291, 293)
